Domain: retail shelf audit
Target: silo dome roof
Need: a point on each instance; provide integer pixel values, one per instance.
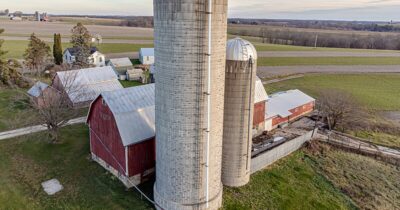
(239, 49)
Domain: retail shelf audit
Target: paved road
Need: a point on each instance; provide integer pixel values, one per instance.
(34, 129)
(327, 54)
(66, 40)
(268, 71)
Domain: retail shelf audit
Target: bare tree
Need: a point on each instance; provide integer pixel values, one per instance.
(55, 108)
(339, 109)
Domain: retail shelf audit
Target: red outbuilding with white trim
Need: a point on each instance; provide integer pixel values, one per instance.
(285, 107)
(122, 133)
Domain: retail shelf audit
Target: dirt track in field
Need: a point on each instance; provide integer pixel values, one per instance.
(66, 40)
(266, 71)
(43, 28)
(327, 54)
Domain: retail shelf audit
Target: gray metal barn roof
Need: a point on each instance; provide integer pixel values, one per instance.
(280, 104)
(121, 62)
(86, 84)
(134, 112)
(37, 89)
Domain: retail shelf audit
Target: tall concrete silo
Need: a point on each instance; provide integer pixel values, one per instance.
(190, 43)
(240, 78)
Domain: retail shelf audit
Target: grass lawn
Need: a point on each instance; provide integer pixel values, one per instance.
(307, 61)
(375, 91)
(28, 161)
(379, 138)
(291, 183)
(329, 179)
(371, 184)
(14, 110)
(276, 47)
(16, 49)
(127, 84)
(120, 48)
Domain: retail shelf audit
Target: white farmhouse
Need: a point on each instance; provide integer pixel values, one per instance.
(146, 56)
(96, 58)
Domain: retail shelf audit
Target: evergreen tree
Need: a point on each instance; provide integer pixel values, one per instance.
(37, 54)
(81, 42)
(57, 50)
(9, 71)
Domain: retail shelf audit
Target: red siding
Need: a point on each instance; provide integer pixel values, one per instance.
(105, 140)
(296, 113)
(142, 157)
(259, 113)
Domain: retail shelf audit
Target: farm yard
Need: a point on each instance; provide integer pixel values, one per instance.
(324, 178)
(305, 179)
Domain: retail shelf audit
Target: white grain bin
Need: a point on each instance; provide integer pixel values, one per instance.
(190, 43)
(240, 78)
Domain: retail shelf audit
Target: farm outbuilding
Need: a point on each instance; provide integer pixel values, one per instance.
(285, 107)
(84, 85)
(121, 66)
(41, 93)
(260, 99)
(122, 133)
(146, 56)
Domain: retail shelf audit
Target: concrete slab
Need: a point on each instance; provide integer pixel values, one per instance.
(52, 186)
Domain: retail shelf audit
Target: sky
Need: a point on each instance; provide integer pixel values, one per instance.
(379, 10)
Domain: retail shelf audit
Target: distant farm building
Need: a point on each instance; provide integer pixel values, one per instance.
(260, 99)
(96, 58)
(285, 107)
(84, 85)
(121, 66)
(146, 56)
(122, 133)
(135, 74)
(41, 93)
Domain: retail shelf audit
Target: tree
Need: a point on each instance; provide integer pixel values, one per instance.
(9, 71)
(54, 107)
(339, 109)
(81, 42)
(37, 55)
(57, 50)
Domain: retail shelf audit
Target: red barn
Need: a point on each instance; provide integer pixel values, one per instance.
(284, 107)
(260, 99)
(122, 133)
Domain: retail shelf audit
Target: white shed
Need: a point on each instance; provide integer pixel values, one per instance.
(146, 56)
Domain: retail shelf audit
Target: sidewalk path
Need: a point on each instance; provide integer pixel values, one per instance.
(34, 129)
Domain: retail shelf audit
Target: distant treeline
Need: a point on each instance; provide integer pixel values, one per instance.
(324, 24)
(323, 39)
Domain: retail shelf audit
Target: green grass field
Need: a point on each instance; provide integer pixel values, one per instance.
(375, 91)
(276, 47)
(307, 61)
(291, 183)
(14, 109)
(328, 179)
(127, 84)
(371, 184)
(26, 162)
(16, 49)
